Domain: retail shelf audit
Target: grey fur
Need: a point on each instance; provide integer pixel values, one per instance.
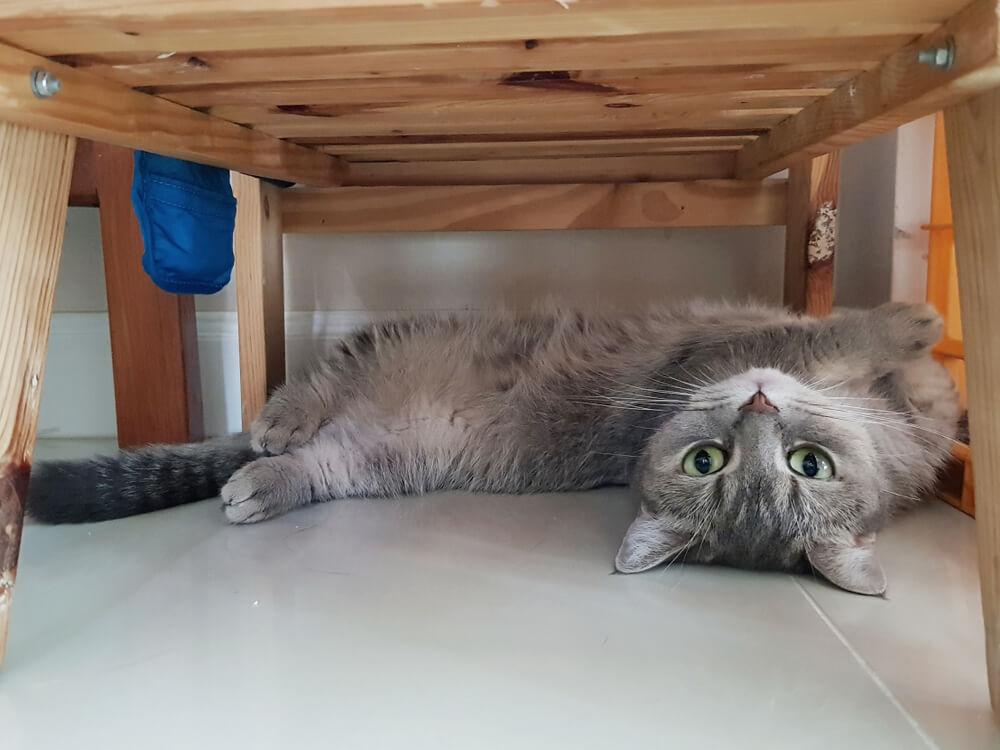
(564, 400)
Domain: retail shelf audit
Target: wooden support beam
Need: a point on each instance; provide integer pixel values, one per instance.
(35, 171)
(972, 130)
(811, 234)
(260, 297)
(154, 340)
(201, 25)
(438, 149)
(663, 168)
(901, 89)
(512, 207)
(87, 106)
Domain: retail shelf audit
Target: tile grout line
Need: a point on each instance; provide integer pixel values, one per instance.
(872, 674)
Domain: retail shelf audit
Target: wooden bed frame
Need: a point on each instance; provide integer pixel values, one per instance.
(408, 115)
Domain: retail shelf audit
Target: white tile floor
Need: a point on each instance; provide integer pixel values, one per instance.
(477, 622)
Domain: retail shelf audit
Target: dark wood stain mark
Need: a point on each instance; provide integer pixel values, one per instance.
(197, 63)
(14, 479)
(555, 80)
(621, 105)
(530, 43)
(322, 110)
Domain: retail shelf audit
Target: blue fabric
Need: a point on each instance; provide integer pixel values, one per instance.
(187, 214)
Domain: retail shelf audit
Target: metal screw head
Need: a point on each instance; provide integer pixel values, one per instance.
(44, 84)
(940, 58)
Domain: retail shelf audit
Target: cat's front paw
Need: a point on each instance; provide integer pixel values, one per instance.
(265, 488)
(911, 329)
(280, 429)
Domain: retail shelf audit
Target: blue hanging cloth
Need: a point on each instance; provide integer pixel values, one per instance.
(187, 214)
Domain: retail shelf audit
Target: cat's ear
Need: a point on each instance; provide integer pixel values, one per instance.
(649, 541)
(850, 562)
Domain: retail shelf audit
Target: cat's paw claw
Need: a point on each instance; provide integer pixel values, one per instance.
(279, 434)
(262, 489)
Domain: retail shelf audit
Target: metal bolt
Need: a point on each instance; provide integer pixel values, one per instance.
(44, 84)
(939, 58)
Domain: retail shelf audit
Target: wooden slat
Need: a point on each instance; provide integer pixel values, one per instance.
(810, 234)
(416, 150)
(35, 171)
(90, 107)
(259, 292)
(639, 110)
(112, 27)
(486, 123)
(154, 340)
(676, 167)
(973, 138)
(512, 207)
(757, 52)
(899, 90)
(529, 87)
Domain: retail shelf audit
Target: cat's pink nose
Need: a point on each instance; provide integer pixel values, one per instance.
(758, 403)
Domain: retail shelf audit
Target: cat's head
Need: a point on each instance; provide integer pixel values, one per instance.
(761, 470)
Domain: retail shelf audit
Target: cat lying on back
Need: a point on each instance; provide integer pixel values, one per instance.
(754, 437)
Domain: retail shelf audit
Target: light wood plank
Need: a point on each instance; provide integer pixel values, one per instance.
(899, 90)
(556, 108)
(434, 150)
(756, 52)
(810, 234)
(154, 339)
(35, 171)
(528, 87)
(90, 107)
(260, 299)
(973, 138)
(80, 27)
(486, 124)
(545, 171)
(513, 207)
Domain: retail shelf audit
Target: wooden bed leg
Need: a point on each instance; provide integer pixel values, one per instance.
(811, 233)
(154, 337)
(260, 292)
(35, 170)
(973, 136)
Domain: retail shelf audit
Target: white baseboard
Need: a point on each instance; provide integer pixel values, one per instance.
(78, 397)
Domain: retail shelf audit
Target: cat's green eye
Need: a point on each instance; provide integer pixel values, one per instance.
(811, 463)
(703, 460)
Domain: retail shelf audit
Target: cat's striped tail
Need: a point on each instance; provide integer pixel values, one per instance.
(133, 482)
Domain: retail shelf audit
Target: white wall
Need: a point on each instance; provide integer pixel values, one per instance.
(334, 282)
(910, 245)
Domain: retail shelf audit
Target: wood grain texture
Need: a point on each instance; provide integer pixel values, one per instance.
(91, 107)
(813, 189)
(675, 167)
(513, 207)
(35, 172)
(260, 300)
(81, 26)
(530, 87)
(747, 52)
(558, 120)
(897, 91)
(973, 139)
(457, 150)
(154, 341)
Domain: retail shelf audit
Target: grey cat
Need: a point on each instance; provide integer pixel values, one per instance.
(754, 437)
